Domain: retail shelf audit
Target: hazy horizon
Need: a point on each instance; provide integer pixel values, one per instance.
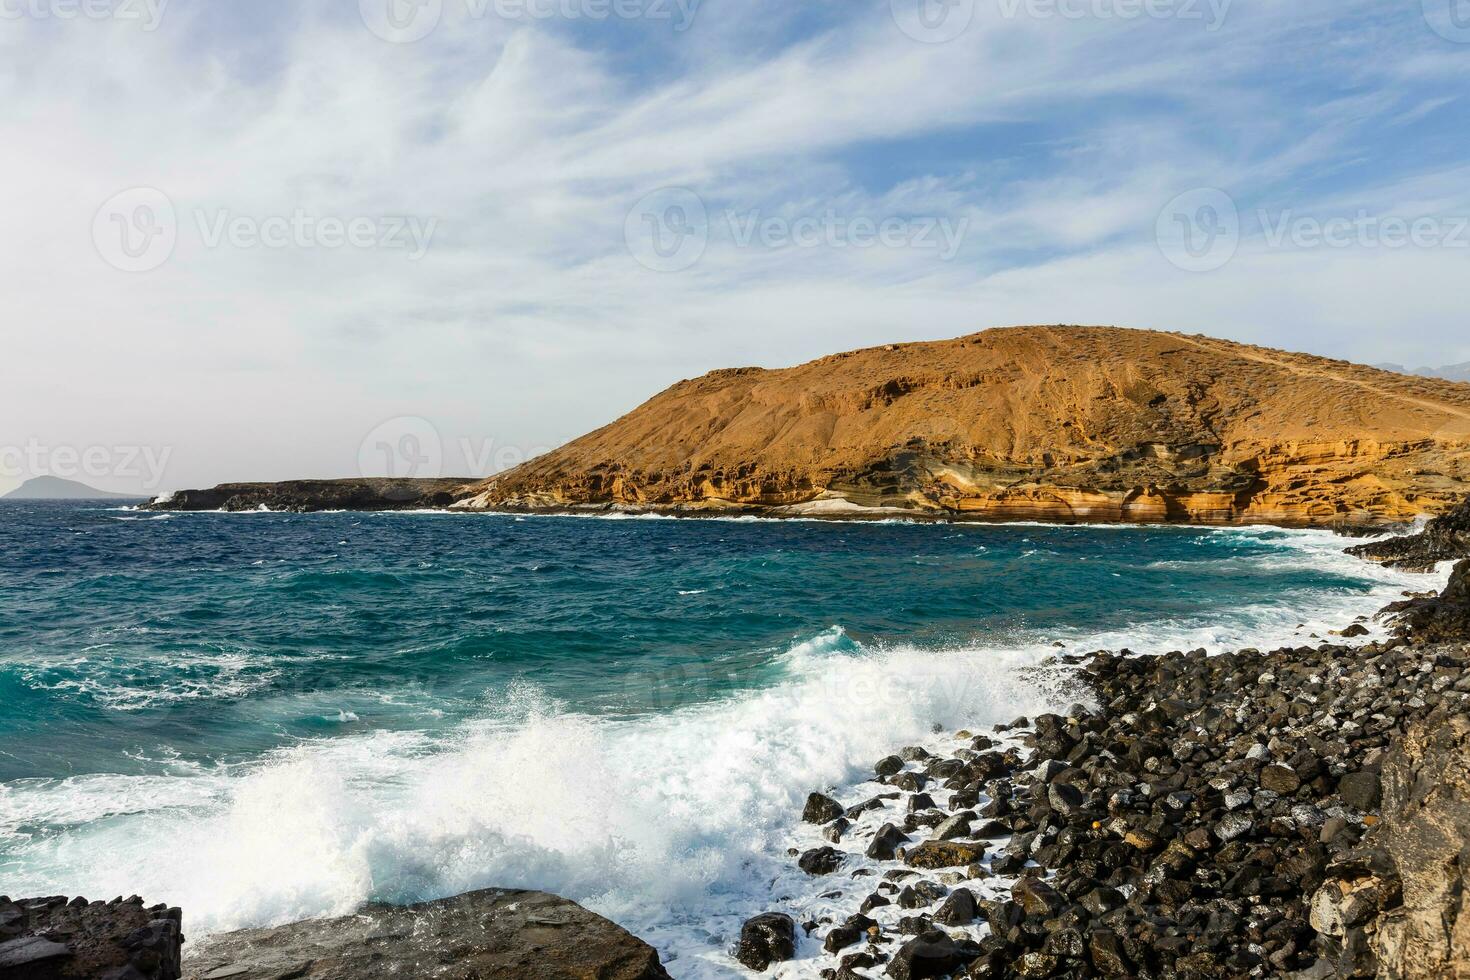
(314, 240)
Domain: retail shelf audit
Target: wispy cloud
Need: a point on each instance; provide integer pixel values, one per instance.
(1047, 146)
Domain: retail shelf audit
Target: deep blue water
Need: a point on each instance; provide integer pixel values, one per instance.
(373, 689)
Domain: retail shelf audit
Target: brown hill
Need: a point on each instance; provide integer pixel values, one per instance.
(1084, 423)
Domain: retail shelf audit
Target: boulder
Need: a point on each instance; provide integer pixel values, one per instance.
(765, 939)
(944, 854)
(821, 860)
(1426, 822)
(932, 954)
(821, 809)
(493, 933)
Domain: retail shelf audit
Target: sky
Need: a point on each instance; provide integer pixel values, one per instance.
(288, 239)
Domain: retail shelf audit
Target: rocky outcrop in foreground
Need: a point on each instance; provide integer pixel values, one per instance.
(306, 496)
(484, 935)
(1295, 813)
(61, 939)
(1052, 423)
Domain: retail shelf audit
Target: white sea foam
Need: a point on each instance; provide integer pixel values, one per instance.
(674, 824)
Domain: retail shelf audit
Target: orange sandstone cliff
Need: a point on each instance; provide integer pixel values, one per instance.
(1055, 423)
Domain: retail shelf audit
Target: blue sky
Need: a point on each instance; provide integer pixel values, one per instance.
(566, 205)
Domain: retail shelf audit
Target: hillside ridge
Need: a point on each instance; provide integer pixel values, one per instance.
(1043, 422)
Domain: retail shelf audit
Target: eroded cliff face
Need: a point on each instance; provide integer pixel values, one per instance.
(1054, 423)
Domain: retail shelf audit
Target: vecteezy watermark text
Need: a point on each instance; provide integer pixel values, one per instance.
(142, 464)
(147, 14)
(939, 21)
(1210, 13)
(407, 21)
(1200, 230)
(301, 229)
(670, 229)
(410, 447)
(1363, 230)
(138, 229)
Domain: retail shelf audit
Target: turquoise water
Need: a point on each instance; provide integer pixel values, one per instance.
(261, 717)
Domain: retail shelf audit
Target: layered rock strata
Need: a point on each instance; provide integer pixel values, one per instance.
(1054, 423)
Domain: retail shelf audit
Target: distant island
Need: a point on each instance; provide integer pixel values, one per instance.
(1054, 423)
(55, 488)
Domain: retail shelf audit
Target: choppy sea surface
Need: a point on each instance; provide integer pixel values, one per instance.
(266, 717)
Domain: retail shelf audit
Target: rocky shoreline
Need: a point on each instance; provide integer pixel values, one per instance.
(1299, 812)
(455, 496)
(1293, 813)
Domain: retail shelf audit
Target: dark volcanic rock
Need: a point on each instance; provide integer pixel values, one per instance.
(1298, 813)
(933, 954)
(766, 939)
(52, 938)
(821, 809)
(885, 842)
(821, 860)
(1444, 538)
(1436, 619)
(306, 496)
(479, 935)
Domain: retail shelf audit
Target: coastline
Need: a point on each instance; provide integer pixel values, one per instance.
(813, 959)
(448, 496)
(1243, 814)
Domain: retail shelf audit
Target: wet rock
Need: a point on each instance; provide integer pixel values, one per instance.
(954, 827)
(889, 766)
(842, 937)
(886, 842)
(1105, 951)
(821, 809)
(765, 939)
(933, 954)
(1036, 897)
(958, 909)
(921, 894)
(834, 830)
(821, 860)
(933, 854)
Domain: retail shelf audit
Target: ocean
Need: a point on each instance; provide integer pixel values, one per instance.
(266, 717)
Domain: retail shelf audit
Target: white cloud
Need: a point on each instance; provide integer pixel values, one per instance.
(527, 321)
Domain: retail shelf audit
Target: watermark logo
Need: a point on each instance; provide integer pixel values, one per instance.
(142, 465)
(1199, 231)
(1450, 19)
(407, 21)
(139, 229)
(933, 21)
(401, 21)
(668, 230)
(1287, 229)
(136, 230)
(1210, 13)
(404, 448)
(147, 14)
(303, 230)
(829, 229)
